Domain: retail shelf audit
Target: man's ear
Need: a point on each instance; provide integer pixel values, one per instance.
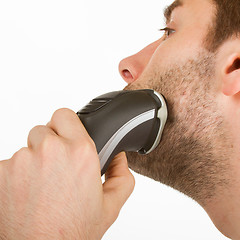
(231, 75)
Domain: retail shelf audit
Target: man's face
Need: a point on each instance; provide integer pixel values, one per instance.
(190, 21)
(192, 154)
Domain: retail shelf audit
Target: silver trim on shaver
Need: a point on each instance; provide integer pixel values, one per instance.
(162, 115)
(121, 133)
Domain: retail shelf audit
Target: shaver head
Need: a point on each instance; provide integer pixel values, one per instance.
(161, 115)
(125, 121)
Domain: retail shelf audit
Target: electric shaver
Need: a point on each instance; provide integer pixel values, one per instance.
(124, 121)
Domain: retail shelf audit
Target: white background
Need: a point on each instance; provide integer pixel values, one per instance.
(55, 54)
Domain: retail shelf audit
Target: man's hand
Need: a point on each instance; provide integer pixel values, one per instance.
(52, 189)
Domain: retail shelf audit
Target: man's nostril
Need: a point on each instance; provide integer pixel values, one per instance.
(126, 74)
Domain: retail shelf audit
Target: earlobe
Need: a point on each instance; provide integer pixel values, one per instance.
(231, 75)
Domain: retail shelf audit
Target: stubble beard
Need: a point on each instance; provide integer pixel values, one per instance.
(191, 156)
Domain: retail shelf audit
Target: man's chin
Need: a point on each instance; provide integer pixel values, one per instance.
(142, 164)
(136, 86)
(132, 158)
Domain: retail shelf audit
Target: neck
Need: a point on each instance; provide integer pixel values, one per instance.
(224, 208)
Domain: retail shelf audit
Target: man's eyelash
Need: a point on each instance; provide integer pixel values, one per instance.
(167, 30)
(164, 29)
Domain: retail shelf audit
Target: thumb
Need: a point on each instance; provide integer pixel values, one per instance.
(118, 186)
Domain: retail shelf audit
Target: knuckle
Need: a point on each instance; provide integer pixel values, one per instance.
(84, 157)
(34, 130)
(84, 149)
(50, 144)
(60, 113)
(62, 110)
(88, 147)
(21, 154)
(19, 160)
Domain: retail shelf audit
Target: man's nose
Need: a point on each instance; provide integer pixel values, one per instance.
(132, 67)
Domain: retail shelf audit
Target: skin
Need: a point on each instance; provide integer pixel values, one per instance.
(60, 167)
(53, 190)
(199, 153)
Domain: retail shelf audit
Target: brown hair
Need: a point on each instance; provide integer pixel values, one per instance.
(226, 24)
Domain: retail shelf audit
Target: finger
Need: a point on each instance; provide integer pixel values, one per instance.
(118, 186)
(118, 167)
(67, 124)
(37, 135)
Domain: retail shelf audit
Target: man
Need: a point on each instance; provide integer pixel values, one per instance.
(52, 189)
(196, 67)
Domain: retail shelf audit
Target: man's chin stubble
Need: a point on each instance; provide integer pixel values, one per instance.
(191, 156)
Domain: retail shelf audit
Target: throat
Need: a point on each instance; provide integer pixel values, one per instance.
(224, 210)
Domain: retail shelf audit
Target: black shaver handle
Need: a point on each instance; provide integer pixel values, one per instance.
(124, 121)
